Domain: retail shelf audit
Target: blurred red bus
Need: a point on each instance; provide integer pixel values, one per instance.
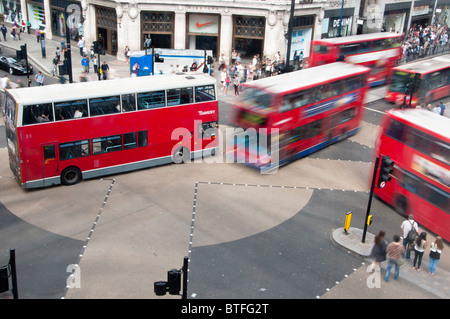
(64, 133)
(310, 108)
(379, 51)
(418, 141)
(434, 74)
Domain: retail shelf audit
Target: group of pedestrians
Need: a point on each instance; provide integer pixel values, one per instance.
(422, 41)
(235, 73)
(397, 251)
(16, 30)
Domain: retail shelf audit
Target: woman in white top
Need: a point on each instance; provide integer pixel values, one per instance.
(419, 247)
(435, 254)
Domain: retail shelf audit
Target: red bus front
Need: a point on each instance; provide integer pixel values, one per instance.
(421, 181)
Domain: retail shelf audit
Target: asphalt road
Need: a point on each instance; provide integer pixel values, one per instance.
(247, 235)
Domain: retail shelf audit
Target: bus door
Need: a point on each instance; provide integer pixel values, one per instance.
(49, 161)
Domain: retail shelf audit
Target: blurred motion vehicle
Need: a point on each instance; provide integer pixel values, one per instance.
(13, 66)
(61, 134)
(418, 141)
(379, 51)
(310, 108)
(432, 81)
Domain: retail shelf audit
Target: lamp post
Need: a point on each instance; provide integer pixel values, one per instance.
(289, 35)
(340, 22)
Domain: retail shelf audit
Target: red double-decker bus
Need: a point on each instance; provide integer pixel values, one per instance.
(434, 83)
(379, 51)
(418, 141)
(310, 109)
(64, 133)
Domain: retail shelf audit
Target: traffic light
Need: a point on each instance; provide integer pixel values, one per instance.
(172, 285)
(22, 53)
(157, 58)
(386, 169)
(369, 220)
(210, 60)
(98, 48)
(64, 68)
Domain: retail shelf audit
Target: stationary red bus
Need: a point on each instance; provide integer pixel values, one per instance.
(310, 108)
(379, 51)
(434, 75)
(60, 134)
(418, 141)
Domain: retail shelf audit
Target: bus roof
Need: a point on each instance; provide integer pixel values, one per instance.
(307, 77)
(426, 66)
(425, 119)
(361, 37)
(83, 90)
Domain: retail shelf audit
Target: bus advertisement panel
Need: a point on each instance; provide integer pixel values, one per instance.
(60, 134)
(379, 51)
(307, 109)
(167, 61)
(418, 141)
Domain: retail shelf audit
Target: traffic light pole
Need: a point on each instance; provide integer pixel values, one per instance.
(372, 187)
(68, 56)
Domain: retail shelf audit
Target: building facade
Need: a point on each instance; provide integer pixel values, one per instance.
(249, 26)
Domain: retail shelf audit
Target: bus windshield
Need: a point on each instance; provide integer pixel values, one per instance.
(400, 80)
(258, 98)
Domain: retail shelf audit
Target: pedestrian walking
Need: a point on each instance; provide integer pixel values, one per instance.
(419, 248)
(39, 78)
(4, 31)
(28, 26)
(410, 232)
(227, 84)
(436, 248)
(379, 248)
(104, 70)
(81, 45)
(394, 251)
(38, 35)
(95, 63)
(85, 64)
(55, 63)
(236, 85)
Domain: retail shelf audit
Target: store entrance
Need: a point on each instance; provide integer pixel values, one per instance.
(206, 42)
(248, 47)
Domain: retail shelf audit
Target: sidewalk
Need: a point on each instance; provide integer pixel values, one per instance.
(118, 69)
(438, 285)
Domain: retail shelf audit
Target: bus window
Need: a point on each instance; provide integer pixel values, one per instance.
(73, 149)
(129, 140)
(395, 130)
(179, 96)
(104, 105)
(142, 139)
(150, 100)
(106, 144)
(38, 113)
(204, 93)
(66, 110)
(128, 102)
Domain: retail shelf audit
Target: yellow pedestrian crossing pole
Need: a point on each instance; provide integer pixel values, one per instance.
(348, 220)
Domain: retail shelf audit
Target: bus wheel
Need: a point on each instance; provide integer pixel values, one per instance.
(181, 155)
(401, 206)
(70, 176)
